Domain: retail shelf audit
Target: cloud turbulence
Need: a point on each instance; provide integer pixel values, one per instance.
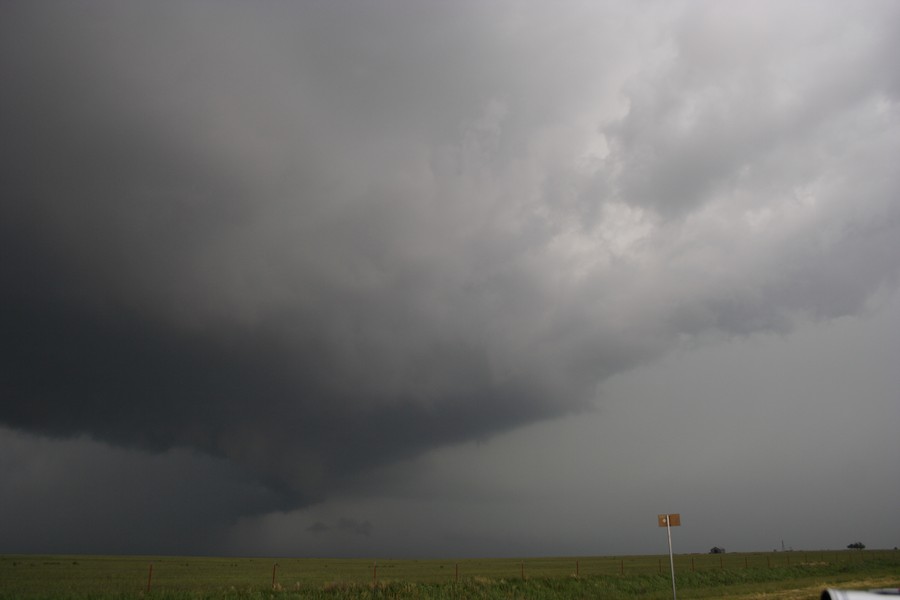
(254, 255)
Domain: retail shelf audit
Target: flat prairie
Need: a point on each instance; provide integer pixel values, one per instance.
(790, 575)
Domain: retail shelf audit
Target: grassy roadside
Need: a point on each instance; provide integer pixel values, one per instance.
(82, 577)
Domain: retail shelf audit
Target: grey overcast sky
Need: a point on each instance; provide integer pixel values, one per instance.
(448, 278)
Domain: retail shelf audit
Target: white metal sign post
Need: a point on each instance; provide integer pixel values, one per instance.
(670, 521)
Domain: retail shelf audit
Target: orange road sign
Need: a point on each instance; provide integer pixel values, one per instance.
(669, 520)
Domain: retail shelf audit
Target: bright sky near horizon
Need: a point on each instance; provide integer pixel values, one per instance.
(408, 279)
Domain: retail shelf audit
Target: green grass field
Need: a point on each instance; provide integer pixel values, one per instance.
(737, 575)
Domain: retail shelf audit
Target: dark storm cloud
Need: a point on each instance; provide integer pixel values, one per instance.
(308, 241)
(170, 287)
(80, 496)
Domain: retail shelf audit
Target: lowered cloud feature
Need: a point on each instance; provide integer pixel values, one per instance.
(293, 248)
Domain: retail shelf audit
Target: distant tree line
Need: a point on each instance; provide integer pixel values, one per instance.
(857, 546)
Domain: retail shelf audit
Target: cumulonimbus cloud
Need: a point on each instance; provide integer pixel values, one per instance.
(312, 242)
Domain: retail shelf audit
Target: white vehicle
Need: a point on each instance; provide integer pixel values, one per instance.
(830, 594)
